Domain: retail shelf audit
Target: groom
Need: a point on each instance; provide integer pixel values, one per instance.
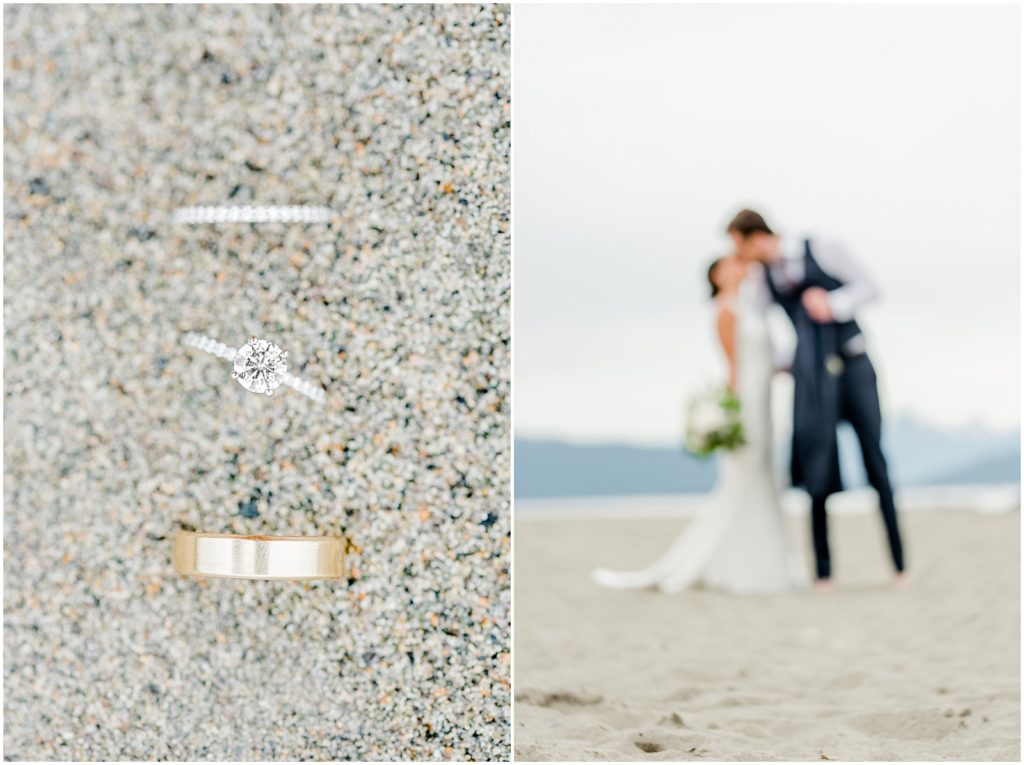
(820, 286)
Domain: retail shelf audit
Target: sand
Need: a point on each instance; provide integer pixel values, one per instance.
(863, 673)
(116, 435)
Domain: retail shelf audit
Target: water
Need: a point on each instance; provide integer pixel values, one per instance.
(993, 498)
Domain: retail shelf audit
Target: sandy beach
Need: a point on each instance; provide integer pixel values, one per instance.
(863, 673)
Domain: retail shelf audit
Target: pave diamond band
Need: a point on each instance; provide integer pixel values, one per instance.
(253, 214)
(209, 345)
(259, 366)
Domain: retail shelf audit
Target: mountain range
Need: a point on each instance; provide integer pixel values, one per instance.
(919, 455)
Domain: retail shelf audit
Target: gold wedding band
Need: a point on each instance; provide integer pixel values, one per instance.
(258, 557)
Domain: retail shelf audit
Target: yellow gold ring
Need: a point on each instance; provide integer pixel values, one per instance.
(258, 557)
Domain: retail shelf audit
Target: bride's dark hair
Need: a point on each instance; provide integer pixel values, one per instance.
(711, 276)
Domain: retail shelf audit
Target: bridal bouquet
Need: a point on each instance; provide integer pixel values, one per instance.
(713, 422)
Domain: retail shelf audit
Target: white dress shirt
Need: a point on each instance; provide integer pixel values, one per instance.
(835, 260)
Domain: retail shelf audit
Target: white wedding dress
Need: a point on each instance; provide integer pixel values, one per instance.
(737, 541)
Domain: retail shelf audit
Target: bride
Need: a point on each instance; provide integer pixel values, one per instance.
(737, 541)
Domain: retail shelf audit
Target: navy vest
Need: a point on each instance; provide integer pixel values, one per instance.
(814, 461)
(842, 332)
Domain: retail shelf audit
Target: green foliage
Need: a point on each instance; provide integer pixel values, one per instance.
(704, 438)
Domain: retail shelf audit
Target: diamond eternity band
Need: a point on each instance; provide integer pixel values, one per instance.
(253, 214)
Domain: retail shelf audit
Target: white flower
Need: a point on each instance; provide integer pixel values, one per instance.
(707, 416)
(713, 422)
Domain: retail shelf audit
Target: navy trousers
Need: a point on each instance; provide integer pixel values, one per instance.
(858, 405)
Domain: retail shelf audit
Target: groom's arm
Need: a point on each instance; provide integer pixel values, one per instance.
(859, 287)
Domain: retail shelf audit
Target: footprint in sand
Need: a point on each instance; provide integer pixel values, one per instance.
(846, 681)
(918, 724)
(650, 747)
(557, 699)
(673, 720)
(656, 742)
(686, 694)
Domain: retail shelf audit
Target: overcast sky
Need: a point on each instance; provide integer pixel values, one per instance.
(640, 130)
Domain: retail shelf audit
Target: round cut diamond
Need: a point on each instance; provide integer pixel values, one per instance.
(260, 366)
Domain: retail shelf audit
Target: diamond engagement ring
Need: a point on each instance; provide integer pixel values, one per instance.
(253, 214)
(259, 365)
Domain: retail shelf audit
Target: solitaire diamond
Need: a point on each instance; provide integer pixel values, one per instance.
(260, 366)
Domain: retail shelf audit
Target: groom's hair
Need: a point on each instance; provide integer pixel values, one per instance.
(747, 222)
(711, 276)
